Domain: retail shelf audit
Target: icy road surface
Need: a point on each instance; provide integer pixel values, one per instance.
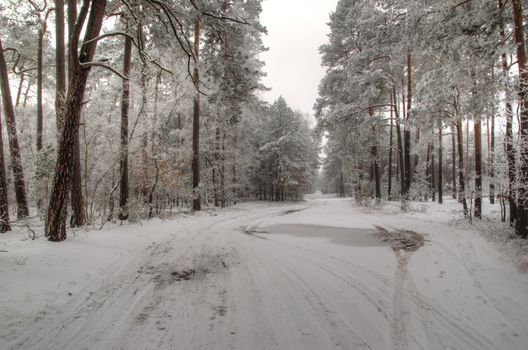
(323, 274)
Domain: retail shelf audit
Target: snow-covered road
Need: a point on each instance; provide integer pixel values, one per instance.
(323, 274)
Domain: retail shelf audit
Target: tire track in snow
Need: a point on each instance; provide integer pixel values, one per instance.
(464, 335)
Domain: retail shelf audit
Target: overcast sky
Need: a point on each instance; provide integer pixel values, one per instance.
(296, 29)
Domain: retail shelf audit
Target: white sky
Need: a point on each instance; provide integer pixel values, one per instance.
(296, 29)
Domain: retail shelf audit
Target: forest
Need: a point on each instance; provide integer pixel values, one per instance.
(121, 110)
(264, 174)
(427, 99)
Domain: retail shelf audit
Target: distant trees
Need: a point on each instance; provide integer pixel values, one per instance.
(423, 67)
(286, 154)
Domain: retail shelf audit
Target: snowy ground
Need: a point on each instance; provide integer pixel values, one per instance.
(322, 274)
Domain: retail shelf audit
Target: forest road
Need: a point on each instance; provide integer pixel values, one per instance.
(317, 275)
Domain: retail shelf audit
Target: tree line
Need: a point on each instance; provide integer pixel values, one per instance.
(425, 97)
(130, 109)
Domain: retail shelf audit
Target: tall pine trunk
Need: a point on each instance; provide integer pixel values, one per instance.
(389, 187)
(478, 168)
(522, 201)
(123, 155)
(401, 165)
(40, 114)
(433, 166)
(14, 148)
(5, 223)
(60, 64)
(492, 162)
(453, 161)
(440, 165)
(78, 216)
(56, 219)
(509, 147)
(375, 161)
(461, 181)
(428, 172)
(196, 203)
(407, 131)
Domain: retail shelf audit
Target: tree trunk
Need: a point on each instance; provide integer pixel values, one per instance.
(433, 169)
(401, 165)
(375, 161)
(407, 132)
(223, 199)
(440, 165)
(123, 163)
(453, 161)
(153, 188)
(461, 182)
(78, 217)
(196, 122)
(428, 173)
(510, 150)
(492, 161)
(19, 92)
(478, 168)
(5, 223)
(26, 93)
(40, 115)
(56, 220)
(14, 148)
(477, 138)
(522, 205)
(389, 187)
(60, 64)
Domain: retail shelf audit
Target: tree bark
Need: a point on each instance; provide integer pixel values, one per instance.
(522, 205)
(60, 64)
(223, 199)
(428, 172)
(453, 161)
(5, 223)
(401, 165)
(78, 217)
(461, 181)
(14, 148)
(375, 161)
(56, 219)
(492, 161)
(389, 187)
(196, 203)
(510, 150)
(26, 94)
(478, 168)
(433, 167)
(125, 100)
(407, 132)
(19, 92)
(40, 114)
(440, 165)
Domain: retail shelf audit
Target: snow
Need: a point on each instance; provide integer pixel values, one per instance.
(320, 274)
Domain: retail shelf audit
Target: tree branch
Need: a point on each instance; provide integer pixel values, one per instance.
(102, 65)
